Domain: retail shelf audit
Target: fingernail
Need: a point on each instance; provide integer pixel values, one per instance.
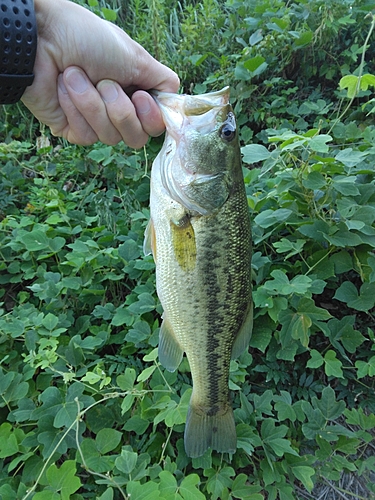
(143, 107)
(76, 81)
(108, 91)
(60, 82)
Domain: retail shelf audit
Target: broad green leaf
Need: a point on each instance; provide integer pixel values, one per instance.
(146, 373)
(8, 441)
(50, 321)
(333, 366)
(146, 491)
(129, 250)
(270, 217)
(127, 460)
(253, 153)
(107, 440)
(303, 39)
(244, 490)
(136, 424)
(66, 415)
(256, 65)
(144, 304)
(168, 486)
(300, 328)
(367, 80)
(304, 473)
(319, 143)
(351, 83)
(274, 438)
(342, 331)
(109, 14)
(126, 381)
(63, 479)
(35, 240)
(316, 421)
(47, 495)
(366, 368)
(348, 293)
(350, 157)
(316, 360)
(327, 404)
(122, 317)
(219, 481)
(189, 488)
(107, 495)
(256, 37)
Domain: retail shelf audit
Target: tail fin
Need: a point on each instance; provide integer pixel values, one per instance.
(203, 431)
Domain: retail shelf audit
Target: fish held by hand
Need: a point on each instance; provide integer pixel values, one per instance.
(199, 234)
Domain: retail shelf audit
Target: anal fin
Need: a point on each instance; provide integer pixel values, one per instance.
(241, 342)
(169, 350)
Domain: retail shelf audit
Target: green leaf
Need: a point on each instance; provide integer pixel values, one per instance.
(35, 240)
(351, 83)
(129, 250)
(107, 440)
(127, 460)
(189, 488)
(253, 153)
(8, 441)
(350, 157)
(242, 489)
(319, 143)
(145, 303)
(270, 217)
(126, 381)
(218, 481)
(348, 293)
(146, 373)
(303, 39)
(63, 479)
(146, 491)
(333, 366)
(316, 360)
(50, 321)
(66, 415)
(304, 474)
(122, 316)
(168, 486)
(330, 408)
(273, 437)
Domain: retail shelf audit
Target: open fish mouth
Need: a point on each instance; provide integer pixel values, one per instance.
(189, 120)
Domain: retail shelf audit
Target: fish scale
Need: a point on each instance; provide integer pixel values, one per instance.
(199, 234)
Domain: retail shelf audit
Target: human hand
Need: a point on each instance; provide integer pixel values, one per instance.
(85, 68)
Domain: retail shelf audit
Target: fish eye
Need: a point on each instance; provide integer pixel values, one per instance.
(228, 130)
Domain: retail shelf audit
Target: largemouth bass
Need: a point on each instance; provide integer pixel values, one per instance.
(199, 234)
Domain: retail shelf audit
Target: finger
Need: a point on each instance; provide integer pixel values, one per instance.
(148, 113)
(74, 128)
(90, 105)
(122, 114)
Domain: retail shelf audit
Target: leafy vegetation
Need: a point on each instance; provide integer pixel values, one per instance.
(86, 410)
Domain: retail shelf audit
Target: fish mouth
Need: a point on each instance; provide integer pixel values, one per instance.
(202, 110)
(200, 192)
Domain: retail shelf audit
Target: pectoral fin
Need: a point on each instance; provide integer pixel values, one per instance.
(149, 242)
(170, 352)
(242, 339)
(183, 241)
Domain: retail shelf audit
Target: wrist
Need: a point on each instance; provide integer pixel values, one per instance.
(18, 40)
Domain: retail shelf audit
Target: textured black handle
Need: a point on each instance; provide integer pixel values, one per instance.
(18, 41)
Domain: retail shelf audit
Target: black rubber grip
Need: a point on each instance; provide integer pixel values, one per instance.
(18, 42)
